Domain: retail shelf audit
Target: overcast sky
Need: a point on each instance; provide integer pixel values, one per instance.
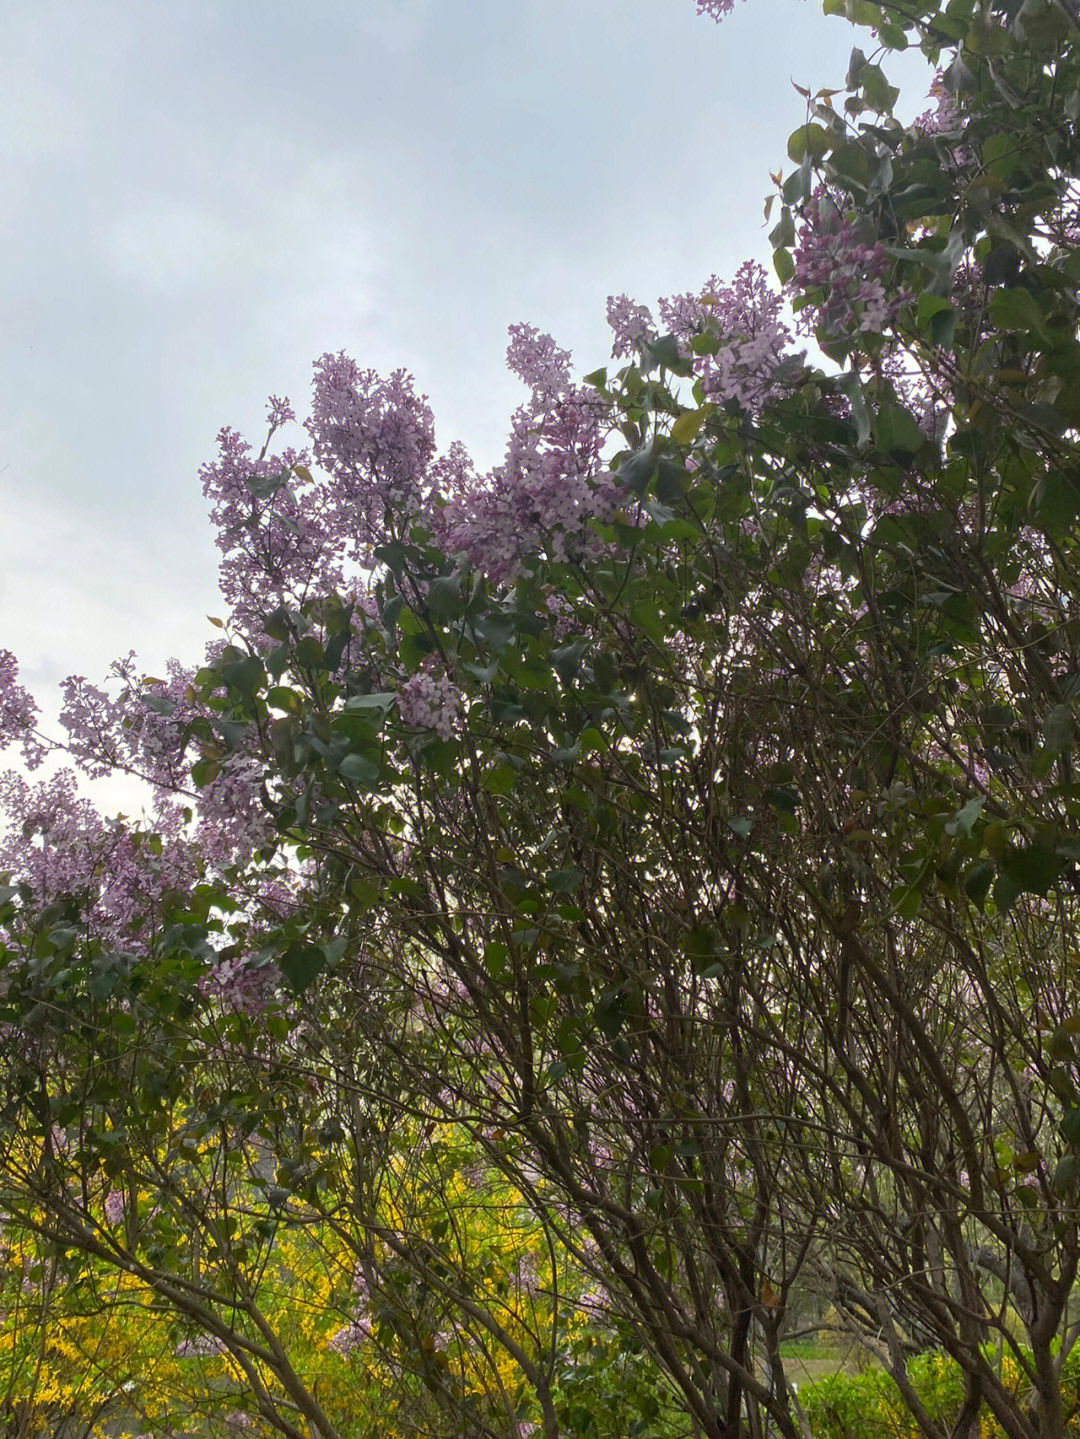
(203, 196)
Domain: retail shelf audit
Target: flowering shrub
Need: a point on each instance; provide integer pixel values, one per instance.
(593, 904)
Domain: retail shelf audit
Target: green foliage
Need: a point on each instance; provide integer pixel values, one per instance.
(862, 1406)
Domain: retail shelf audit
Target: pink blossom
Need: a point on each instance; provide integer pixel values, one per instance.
(752, 340)
(629, 323)
(536, 359)
(274, 527)
(552, 484)
(351, 1336)
(58, 843)
(240, 985)
(376, 439)
(18, 714)
(944, 116)
(428, 701)
(715, 9)
(840, 273)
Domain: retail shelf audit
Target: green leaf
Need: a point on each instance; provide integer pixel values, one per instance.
(936, 317)
(896, 432)
(1058, 730)
(687, 425)
(203, 771)
(309, 653)
(880, 95)
(782, 234)
(635, 471)
(784, 265)
(281, 698)
(906, 899)
(1032, 869)
(1016, 309)
(963, 820)
(444, 597)
(363, 772)
(496, 959)
(660, 1157)
(666, 351)
(1055, 500)
(977, 881)
(562, 881)
(808, 140)
(1066, 1174)
(500, 780)
(244, 675)
(302, 964)
(379, 703)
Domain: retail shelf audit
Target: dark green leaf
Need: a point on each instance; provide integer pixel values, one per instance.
(301, 965)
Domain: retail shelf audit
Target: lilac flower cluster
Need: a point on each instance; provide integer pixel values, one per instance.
(429, 701)
(140, 731)
(115, 1205)
(831, 258)
(358, 1329)
(944, 116)
(18, 714)
(239, 985)
(552, 484)
(716, 9)
(202, 1346)
(273, 526)
(376, 440)
(57, 842)
(631, 324)
(350, 1336)
(744, 318)
(754, 339)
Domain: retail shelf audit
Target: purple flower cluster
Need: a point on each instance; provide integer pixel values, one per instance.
(832, 259)
(743, 318)
(202, 1346)
(944, 116)
(273, 525)
(631, 324)
(57, 842)
(552, 484)
(376, 440)
(358, 1329)
(429, 701)
(115, 1205)
(716, 9)
(350, 1336)
(239, 985)
(18, 714)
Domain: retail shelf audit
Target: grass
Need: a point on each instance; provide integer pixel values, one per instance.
(806, 1360)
